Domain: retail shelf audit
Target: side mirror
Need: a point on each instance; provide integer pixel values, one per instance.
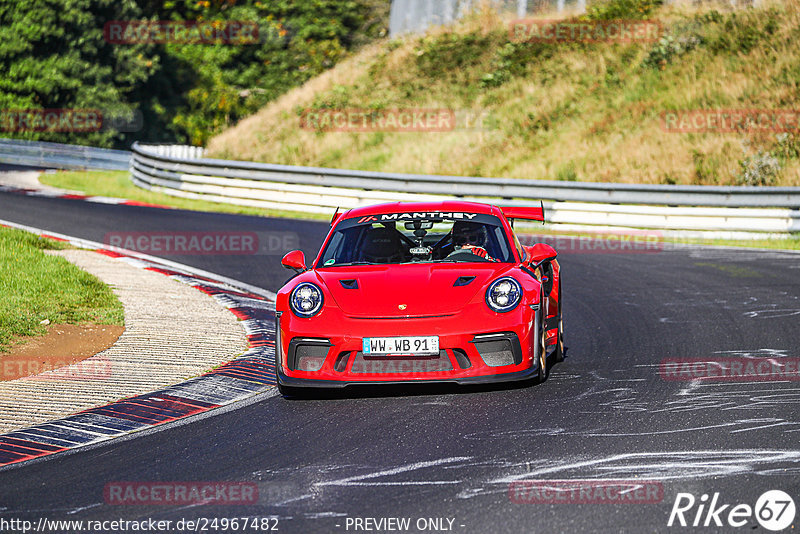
(540, 253)
(295, 260)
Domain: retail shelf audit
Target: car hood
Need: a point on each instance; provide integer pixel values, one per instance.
(424, 289)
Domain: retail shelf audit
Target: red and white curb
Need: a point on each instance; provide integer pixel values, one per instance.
(250, 374)
(73, 196)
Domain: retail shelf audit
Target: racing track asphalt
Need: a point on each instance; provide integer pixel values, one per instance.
(447, 452)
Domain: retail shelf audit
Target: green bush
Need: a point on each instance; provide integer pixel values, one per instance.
(622, 9)
(761, 168)
(739, 32)
(668, 48)
(448, 53)
(566, 173)
(705, 167)
(764, 167)
(787, 147)
(53, 55)
(511, 61)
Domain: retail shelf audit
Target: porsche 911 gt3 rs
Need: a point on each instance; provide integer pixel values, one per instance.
(420, 292)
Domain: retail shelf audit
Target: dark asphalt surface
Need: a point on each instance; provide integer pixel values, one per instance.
(450, 453)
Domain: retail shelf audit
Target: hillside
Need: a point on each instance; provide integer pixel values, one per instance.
(567, 110)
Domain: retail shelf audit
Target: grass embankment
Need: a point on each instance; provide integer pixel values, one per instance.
(118, 184)
(565, 111)
(791, 243)
(37, 287)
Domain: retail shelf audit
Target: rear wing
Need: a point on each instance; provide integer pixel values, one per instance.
(530, 214)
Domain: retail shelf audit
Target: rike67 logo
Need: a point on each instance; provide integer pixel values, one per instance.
(774, 510)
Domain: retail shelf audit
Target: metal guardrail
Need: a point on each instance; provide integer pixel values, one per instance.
(182, 171)
(177, 151)
(668, 195)
(60, 156)
(581, 204)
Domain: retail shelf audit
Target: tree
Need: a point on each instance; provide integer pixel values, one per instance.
(53, 56)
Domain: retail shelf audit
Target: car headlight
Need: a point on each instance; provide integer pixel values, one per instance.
(306, 299)
(503, 294)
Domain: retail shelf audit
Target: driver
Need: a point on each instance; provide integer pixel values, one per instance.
(472, 237)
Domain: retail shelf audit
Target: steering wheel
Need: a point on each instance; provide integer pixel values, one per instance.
(465, 255)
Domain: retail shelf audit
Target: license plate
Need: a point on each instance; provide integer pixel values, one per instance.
(376, 346)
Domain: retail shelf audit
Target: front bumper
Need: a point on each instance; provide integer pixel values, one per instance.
(339, 383)
(478, 347)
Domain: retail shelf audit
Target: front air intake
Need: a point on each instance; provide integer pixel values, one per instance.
(307, 354)
(498, 350)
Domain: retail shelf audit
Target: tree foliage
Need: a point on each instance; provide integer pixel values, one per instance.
(54, 55)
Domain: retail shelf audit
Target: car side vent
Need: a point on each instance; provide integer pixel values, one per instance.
(463, 280)
(462, 358)
(349, 284)
(341, 361)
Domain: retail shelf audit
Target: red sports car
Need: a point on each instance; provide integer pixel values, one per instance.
(420, 292)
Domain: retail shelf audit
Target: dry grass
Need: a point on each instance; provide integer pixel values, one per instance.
(574, 112)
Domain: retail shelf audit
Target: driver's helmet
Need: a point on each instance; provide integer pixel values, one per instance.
(469, 233)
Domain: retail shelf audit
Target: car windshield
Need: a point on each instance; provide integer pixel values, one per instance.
(416, 238)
